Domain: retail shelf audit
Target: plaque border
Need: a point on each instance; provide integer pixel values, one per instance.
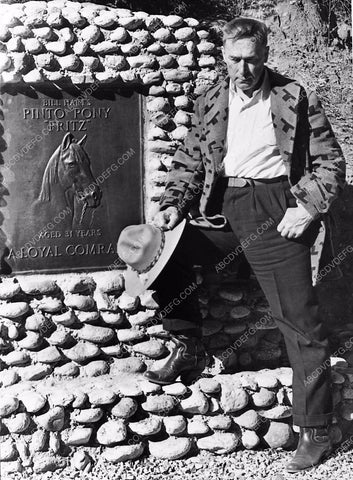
(113, 88)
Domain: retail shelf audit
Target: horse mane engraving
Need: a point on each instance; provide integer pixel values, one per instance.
(50, 177)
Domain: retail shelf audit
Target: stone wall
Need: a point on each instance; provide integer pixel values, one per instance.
(73, 352)
(73, 348)
(170, 59)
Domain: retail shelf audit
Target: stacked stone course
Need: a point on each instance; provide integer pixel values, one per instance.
(71, 383)
(73, 325)
(73, 348)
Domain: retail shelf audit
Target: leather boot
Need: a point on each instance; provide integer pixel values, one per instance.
(188, 359)
(313, 447)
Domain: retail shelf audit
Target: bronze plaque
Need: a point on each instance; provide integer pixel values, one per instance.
(71, 176)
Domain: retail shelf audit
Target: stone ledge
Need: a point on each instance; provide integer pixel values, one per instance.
(69, 377)
(48, 423)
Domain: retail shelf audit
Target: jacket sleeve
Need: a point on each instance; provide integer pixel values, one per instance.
(186, 175)
(319, 188)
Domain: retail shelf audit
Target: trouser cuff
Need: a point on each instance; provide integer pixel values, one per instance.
(324, 419)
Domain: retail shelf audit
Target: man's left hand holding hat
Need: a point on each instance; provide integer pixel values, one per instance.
(146, 249)
(167, 219)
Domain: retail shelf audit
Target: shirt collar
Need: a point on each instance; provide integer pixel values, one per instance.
(262, 91)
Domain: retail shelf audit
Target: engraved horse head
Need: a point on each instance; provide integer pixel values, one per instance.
(69, 168)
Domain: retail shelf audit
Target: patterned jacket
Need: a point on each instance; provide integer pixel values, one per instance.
(313, 159)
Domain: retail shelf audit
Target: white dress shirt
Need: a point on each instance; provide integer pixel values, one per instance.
(251, 147)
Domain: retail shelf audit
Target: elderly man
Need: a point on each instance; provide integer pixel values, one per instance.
(260, 149)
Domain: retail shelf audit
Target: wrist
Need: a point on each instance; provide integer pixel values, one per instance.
(304, 211)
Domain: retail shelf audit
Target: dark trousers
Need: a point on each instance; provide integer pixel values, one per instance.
(282, 267)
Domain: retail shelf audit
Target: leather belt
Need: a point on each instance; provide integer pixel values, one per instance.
(243, 182)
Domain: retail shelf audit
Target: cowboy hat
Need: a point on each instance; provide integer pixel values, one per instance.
(146, 250)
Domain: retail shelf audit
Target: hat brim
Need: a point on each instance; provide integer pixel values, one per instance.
(135, 283)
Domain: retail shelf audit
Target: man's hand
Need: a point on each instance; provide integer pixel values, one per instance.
(167, 219)
(294, 222)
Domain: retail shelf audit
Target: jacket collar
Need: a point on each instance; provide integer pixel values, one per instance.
(285, 96)
(216, 114)
(284, 99)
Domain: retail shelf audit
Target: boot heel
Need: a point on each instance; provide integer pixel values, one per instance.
(190, 376)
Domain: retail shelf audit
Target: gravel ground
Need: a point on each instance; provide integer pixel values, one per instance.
(240, 465)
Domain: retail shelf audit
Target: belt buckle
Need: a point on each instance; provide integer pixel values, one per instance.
(237, 182)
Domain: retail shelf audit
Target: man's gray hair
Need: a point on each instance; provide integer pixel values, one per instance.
(243, 27)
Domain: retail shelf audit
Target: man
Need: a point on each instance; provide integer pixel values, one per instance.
(260, 148)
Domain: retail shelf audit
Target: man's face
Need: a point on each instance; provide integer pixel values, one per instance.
(245, 59)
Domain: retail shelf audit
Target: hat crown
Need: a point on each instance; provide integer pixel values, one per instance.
(139, 246)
